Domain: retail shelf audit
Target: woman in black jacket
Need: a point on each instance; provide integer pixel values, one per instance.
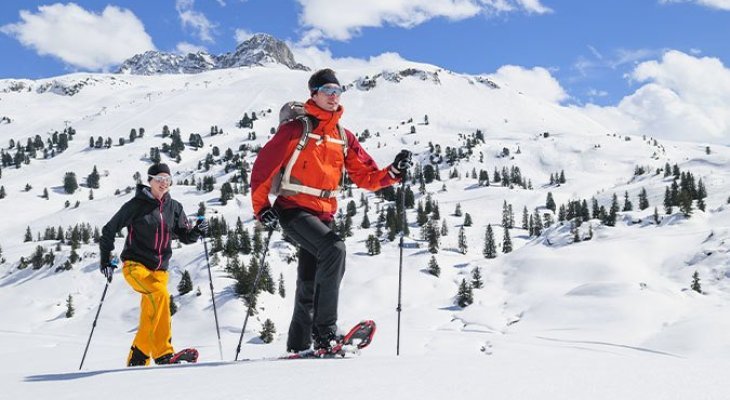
(152, 217)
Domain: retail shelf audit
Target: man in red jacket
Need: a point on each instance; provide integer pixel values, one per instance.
(305, 162)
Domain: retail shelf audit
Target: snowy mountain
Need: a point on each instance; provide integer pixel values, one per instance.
(260, 49)
(590, 309)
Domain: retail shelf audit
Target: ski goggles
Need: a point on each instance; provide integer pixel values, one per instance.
(330, 90)
(161, 179)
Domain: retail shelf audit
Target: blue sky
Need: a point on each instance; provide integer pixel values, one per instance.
(590, 47)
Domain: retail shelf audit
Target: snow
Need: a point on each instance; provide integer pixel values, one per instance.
(608, 318)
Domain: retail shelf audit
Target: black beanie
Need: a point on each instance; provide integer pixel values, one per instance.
(321, 78)
(158, 169)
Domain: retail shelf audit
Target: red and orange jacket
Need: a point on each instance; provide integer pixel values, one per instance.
(319, 165)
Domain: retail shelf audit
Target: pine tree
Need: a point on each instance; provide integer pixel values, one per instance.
(613, 212)
(267, 331)
(476, 278)
(282, 288)
(628, 206)
(444, 228)
(465, 295)
(506, 242)
(432, 236)
(643, 199)
(685, 203)
(550, 203)
(173, 306)
(69, 183)
(433, 267)
(70, 310)
(667, 201)
(92, 180)
(696, 283)
(365, 224)
(525, 218)
(656, 216)
(467, 219)
(490, 250)
(186, 284)
(463, 247)
(457, 211)
(373, 245)
(28, 235)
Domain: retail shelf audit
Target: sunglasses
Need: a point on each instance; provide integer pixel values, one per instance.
(161, 179)
(330, 90)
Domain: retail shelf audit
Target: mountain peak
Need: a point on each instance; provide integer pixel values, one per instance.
(260, 49)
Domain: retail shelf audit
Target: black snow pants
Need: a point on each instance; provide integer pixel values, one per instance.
(319, 273)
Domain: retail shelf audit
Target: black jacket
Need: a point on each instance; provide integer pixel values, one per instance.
(150, 225)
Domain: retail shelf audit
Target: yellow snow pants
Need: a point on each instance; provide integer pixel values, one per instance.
(154, 336)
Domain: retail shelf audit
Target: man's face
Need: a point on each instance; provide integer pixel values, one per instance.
(327, 97)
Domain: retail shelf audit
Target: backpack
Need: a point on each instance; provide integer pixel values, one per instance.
(282, 185)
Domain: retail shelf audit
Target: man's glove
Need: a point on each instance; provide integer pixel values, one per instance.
(269, 217)
(107, 266)
(202, 226)
(402, 163)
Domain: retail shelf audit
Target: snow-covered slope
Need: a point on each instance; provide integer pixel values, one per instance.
(549, 313)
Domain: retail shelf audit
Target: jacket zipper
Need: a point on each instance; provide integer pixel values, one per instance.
(162, 237)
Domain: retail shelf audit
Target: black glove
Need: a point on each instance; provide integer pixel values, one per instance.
(202, 227)
(106, 267)
(269, 217)
(402, 163)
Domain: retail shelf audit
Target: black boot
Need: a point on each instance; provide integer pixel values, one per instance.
(137, 357)
(327, 340)
(163, 359)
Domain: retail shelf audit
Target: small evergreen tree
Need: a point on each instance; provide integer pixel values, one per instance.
(173, 306)
(696, 283)
(69, 183)
(490, 250)
(70, 310)
(93, 179)
(643, 199)
(685, 203)
(267, 331)
(467, 219)
(506, 242)
(550, 203)
(465, 295)
(628, 206)
(282, 288)
(463, 246)
(476, 278)
(186, 284)
(433, 267)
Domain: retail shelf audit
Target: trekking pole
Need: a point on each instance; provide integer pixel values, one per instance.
(212, 293)
(252, 293)
(103, 295)
(400, 264)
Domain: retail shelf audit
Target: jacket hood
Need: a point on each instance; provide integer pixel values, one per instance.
(144, 192)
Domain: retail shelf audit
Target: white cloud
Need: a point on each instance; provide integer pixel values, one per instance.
(683, 97)
(536, 82)
(197, 20)
(185, 48)
(717, 4)
(341, 20)
(242, 35)
(81, 38)
(316, 58)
